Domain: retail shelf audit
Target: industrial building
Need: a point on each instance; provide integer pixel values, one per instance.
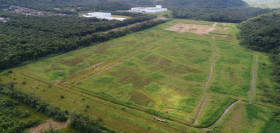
(156, 9)
(102, 15)
(2, 19)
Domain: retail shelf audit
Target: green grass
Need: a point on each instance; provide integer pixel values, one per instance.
(127, 80)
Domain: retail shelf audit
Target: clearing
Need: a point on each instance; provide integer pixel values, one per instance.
(158, 72)
(192, 28)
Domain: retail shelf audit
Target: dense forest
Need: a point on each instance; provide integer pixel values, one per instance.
(262, 33)
(231, 14)
(67, 6)
(215, 10)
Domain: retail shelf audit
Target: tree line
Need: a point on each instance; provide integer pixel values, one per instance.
(262, 33)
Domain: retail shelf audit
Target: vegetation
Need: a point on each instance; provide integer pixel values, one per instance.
(68, 6)
(214, 108)
(229, 14)
(38, 36)
(263, 34)
(16, 118)
(35, 102)
(86, 124)
(156, 72)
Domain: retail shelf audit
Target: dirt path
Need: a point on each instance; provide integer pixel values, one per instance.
(253, 79)
(206, 83)
(47, 124)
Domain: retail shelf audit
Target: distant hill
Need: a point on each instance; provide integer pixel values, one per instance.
(264, 3)
(69, 6)
(81, 3)
(262, 32)
(204, 3)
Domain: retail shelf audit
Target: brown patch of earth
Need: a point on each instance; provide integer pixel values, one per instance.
(192, 28)
(47, 124)
(71, 62)
(141, 99)
(151, 59)
(165, 62)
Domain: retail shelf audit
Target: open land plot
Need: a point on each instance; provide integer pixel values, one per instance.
(159, 72)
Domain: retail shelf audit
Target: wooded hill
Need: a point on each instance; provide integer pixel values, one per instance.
(262, 33)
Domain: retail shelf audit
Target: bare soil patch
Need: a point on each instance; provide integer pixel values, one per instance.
(72, 62)
(47, 124)
(192, 28)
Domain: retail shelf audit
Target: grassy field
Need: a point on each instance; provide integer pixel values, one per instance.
(128, 80)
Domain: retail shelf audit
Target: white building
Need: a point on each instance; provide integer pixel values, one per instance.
(102, 15)
(156, 9)
(2, 19)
